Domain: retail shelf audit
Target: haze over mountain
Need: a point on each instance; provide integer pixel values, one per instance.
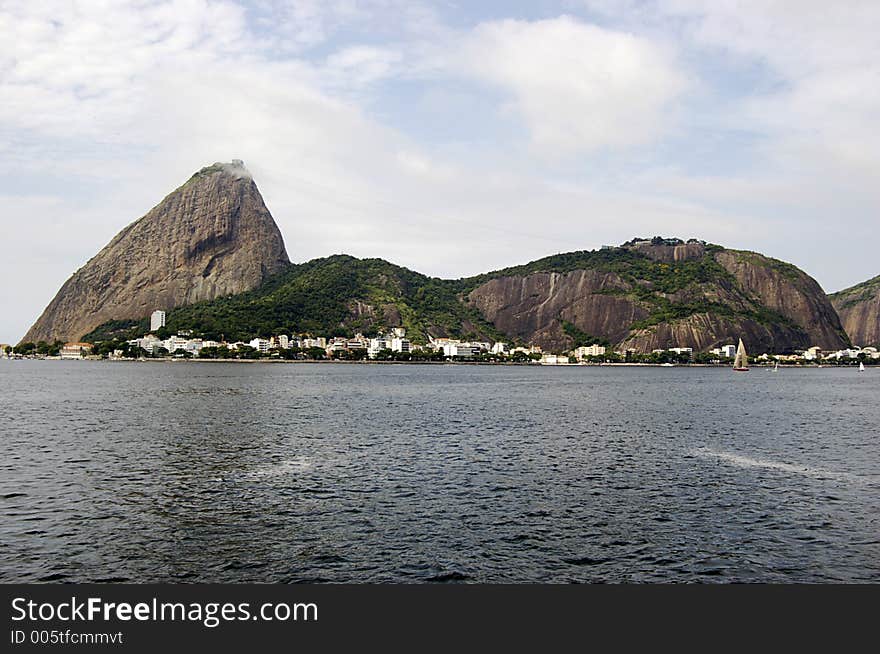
(212, 250)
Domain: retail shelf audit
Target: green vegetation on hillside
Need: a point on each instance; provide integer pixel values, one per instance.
(581, 338)
(116, 330)
(337, 296)
(636, 268)
(341, 295)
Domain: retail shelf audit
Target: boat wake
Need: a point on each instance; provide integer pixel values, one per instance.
(282, 468)
(766, 464)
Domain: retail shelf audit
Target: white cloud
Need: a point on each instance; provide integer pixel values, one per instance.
(360, 65)
(579, 87)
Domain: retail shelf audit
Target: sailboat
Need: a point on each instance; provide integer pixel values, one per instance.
(861, 367)
(741, 361)
(776, 367)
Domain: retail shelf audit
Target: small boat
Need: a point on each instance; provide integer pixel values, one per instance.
(741, 361)
(861, 367)
(776, 367)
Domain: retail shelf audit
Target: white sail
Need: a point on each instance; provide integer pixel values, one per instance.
(741, 360)
(861, 367)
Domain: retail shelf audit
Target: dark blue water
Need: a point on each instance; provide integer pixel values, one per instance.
(211, 472)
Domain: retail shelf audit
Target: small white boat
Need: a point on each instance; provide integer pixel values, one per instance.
(741, 361)
(776, 367)
(861, 367)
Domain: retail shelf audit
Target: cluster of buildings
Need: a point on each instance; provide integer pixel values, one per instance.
(726, 351)
(396, 342)
(817, 354)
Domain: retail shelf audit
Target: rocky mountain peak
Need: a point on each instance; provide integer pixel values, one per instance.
(211, 237)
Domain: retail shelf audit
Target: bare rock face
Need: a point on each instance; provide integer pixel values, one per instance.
(784, 288)
(532, 307)
(670, 295)
(211, 237)
(859, 310)
(704, 331)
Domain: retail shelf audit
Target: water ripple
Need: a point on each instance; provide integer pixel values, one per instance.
(436, 474)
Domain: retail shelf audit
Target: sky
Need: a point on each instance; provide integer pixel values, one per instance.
(452, 138)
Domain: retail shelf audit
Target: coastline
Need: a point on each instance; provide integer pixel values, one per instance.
(433, 363)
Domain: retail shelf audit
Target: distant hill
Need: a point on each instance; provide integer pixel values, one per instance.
(859, 310)
(211, 255)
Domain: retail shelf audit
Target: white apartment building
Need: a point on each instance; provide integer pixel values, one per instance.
(533, 349)
(194, 345)
(157, 320)
(499, 348)
(589, 351)
(260, 344)
(336, 344)
(75, 350)
(399, 344)
(554, 359)
(460, 350)
(175, 343)
(441, 343)
(148, 343)
(313, 342)
(377, 345)
(392, 341)
(813, 353)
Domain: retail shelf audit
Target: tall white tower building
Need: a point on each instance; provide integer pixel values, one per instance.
(157, 320)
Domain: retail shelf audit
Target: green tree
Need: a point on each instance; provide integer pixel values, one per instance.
(316, 353)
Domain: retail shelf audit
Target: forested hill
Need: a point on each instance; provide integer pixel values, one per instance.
(643, 294)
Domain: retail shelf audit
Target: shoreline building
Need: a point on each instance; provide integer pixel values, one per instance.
(75, 350)
(589, 351)
(157, 320)
(260, 344)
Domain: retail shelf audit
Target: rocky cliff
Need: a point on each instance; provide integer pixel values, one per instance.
(646, 295)
(859, 310)
(642, 295)
(210, 238)
(211, 254)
